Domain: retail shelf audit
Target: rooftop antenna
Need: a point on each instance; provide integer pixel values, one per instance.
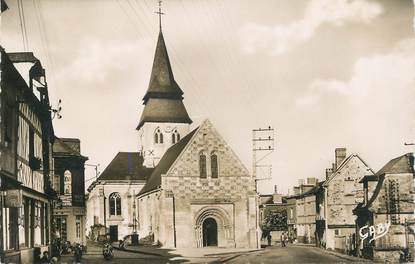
(159, 13)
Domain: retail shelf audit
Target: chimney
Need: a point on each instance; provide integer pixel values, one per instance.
(275, 188)
(311, 181)
(340, 156)
(329, 171)
(277, 198)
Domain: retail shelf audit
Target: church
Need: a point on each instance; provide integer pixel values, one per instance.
(199, 193)
(191, 190)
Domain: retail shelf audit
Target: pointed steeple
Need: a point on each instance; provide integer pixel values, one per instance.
(162, 83)
(163, 99)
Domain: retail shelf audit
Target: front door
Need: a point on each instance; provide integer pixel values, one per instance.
(210, 232)
(113, 233)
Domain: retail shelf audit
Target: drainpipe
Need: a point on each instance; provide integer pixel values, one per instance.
(325, 215)
(174, 222)
(1, 226)
(105, 211)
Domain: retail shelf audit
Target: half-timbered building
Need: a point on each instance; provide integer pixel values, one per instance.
(25, 159)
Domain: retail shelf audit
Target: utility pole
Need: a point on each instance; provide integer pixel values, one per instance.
(262, 147)
(96, 169)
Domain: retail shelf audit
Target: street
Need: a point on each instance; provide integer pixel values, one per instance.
(291, 254)
(275, 254)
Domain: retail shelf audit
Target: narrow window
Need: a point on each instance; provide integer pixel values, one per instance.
(115, 204)
(78, 226)
(214, 165)
(31, 144)
(202, 165)
(161, 138)
(175, 136)
(67, 181)
(156, 138)
(8, 125)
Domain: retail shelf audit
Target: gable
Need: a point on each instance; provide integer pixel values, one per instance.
(154, 180)
(350, 167)
(208, 141)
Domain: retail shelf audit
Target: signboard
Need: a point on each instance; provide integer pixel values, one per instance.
(14, 198)
(66, 200)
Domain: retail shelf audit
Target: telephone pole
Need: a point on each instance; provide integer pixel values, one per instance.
(262, 147)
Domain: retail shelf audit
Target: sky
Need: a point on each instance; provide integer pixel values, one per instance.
(322, 73)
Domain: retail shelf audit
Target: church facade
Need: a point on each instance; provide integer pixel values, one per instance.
(199, 192)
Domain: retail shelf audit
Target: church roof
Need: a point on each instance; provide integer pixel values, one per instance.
(164, 110)
(126, 166)
(163, 99)
(162, 83)
(154, 181)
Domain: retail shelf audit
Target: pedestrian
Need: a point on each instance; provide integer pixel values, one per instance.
(285, 239)
(282, 240)
(45, 258)
(269, 238)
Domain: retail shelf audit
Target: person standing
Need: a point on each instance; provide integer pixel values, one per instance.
(282, 239)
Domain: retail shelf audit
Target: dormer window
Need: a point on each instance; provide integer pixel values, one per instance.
(175, 137)
(158, 137)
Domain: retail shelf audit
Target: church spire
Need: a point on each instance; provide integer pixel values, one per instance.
(163, 99)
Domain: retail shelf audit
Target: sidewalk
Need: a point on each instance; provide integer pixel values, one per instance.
(185, 252)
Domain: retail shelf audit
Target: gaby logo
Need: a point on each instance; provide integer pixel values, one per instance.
(370, 231)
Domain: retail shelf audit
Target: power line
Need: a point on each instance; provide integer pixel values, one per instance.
(22, 23)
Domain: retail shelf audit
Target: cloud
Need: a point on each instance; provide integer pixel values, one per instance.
(281, 38)
(377, 79)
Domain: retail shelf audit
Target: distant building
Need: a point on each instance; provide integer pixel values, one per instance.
(305, 210)
(26, 137)
(389, 199)
(69, 184)
(342, 194)
(111, 204)
(291, 217)
(272, 204)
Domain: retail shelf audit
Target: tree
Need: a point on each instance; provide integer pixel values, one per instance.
(274, 221)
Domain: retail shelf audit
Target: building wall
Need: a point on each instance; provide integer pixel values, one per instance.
(95, 206)
(152, 151)
(344, 192)
(186, 199)
(292, 218)
(306, 219)
(398, 237)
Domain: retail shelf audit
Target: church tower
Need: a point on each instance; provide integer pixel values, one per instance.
(164, 120)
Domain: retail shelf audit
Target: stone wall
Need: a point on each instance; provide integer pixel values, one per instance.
(186, 199)
(95, 206)
(399, 236)
(344, 192)
(306, 219)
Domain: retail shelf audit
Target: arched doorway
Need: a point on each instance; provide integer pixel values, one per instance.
(210, 232)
